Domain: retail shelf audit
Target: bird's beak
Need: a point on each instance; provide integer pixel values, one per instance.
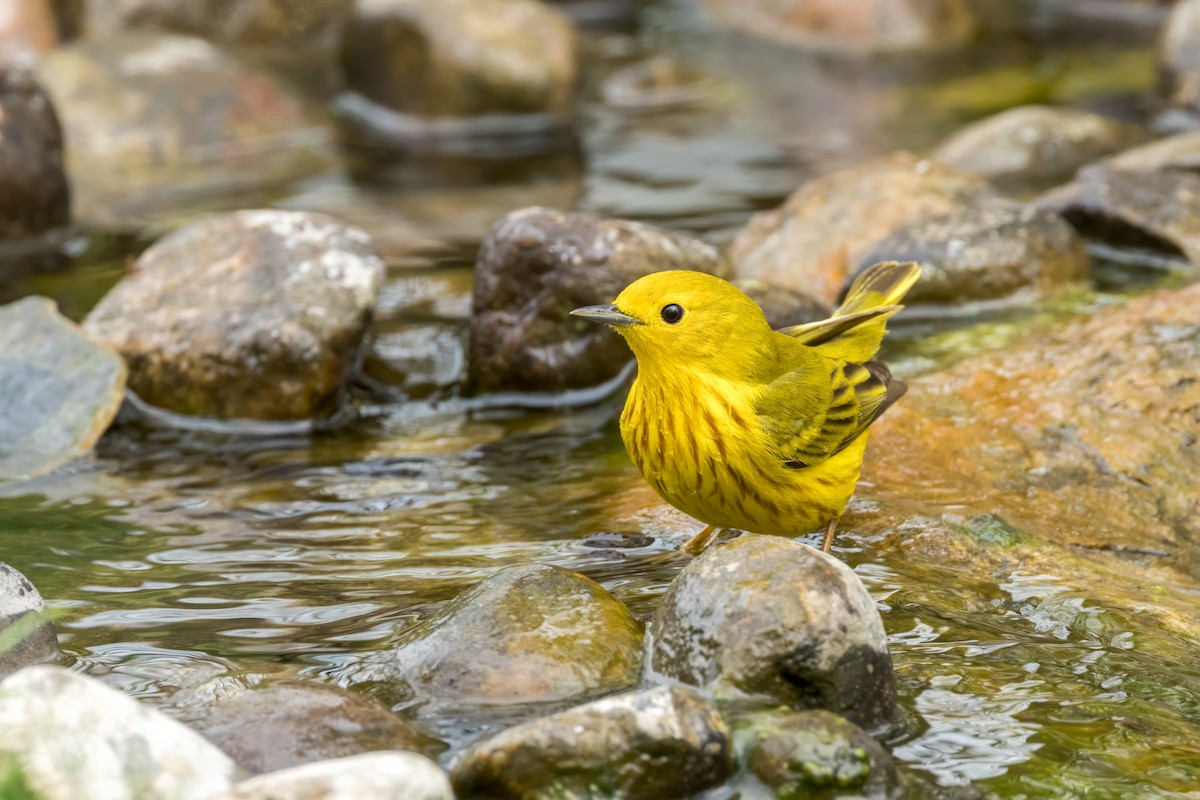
(609, 314)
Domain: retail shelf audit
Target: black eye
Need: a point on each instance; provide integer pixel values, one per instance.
(672, 313)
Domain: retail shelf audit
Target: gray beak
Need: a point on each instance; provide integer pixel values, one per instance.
(609, 314)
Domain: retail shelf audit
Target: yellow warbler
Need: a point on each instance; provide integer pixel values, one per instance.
(741, 426)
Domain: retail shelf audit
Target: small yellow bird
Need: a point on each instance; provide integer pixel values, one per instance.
(741, 426)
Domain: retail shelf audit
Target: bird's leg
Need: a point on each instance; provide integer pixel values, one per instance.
(830, 528)
(695, 545)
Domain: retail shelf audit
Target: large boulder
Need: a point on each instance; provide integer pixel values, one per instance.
(657, 744)
(27, 635)
(526, 634)
(256, 314)
(538, 264)
(151, 121)
(68, 736)
(1035, 145)
(812, 242)
(869, 26)
(61, 388)
(1179, 56)
(989, 252)
(282, 724)
(772, 617)
(34, 194)
(378, 776)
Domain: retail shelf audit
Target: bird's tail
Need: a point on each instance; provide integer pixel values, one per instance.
(857, 327)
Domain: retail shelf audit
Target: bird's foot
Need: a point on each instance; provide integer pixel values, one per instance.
(830, 529)
(697, 544)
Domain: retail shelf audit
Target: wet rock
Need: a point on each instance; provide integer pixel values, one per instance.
(26, 634)
(379, 776)
(223, 308)
(286, 723)
(538, 264)
(153, 120)
(462, 58)
(34, 194)
(67, 736)
(417, 359)
(656, 744)
(782, 307)
(531, 633)
(1035, 145)
(1155, 211)
(27, 29)
(1181, 151)
(810, 754)
(815, 238)
(769, 616)
(865, 27)
(986, 253)
(1179, 56)
(61, 389)
(299, 39)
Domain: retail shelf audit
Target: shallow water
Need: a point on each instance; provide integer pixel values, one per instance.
(180, 552)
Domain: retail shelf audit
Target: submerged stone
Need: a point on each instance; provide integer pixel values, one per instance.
(378, 776)
(526, 634)
(34, 194)
(61, 389)
(656, 744)
(772, 617)
(257, 314)
(537, 265)
(27, 635)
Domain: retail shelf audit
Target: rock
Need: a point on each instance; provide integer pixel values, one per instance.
(379, 776)
(986, 253)
(656, 744)
(527, 634)
(462, 58)
(70, 736)
(34, 194)
(782, 307)
(299, 39)
(1156, 211)
(256, 314)
(154, 120)
(417, 359)
(1181, 151)
(864, 27)
(26, 633)
(287, 723)
(822, 230)
(1179, 56)
(61, 389)
(769, 616)
(538, 264)
(1035, 145)
(27, 29)
(817, 754)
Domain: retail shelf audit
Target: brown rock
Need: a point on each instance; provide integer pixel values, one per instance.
(27, 29)
(822, 230)
(34, 194)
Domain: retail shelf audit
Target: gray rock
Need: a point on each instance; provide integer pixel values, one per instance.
(1179, 56)
(153, 121)
(34, 194)
(782, 307)
(813, 241)
(986, 253)
(768, 616)
(1154, 211)
(656, 744)
(257, 314)
(1181, 151)
(61, 389)
(811, 754)
(286, 723)
(378, 776)
(526, 634)
(27, 635)
(419, 359)
(67, 736)
(538, 264)
(867, 26)
(462, 58)
(1035, 145)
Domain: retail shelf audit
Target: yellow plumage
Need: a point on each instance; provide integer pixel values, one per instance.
(744, 427)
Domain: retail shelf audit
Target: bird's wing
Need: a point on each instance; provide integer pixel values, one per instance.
(808, 426)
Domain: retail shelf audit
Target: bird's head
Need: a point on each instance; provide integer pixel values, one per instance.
(685, 319)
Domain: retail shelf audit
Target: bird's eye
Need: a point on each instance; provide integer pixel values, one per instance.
(672, 313)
